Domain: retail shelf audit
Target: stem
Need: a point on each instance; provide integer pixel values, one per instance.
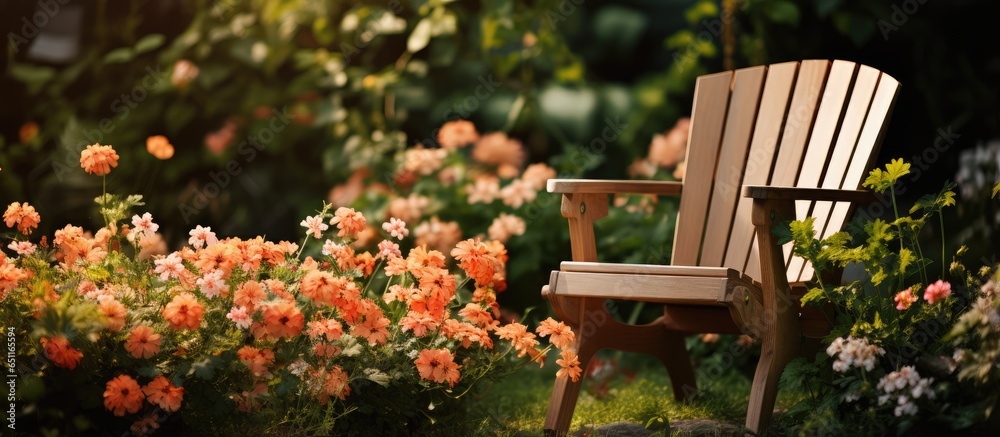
(943, 268)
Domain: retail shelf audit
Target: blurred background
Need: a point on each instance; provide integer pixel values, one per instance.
(271, 104)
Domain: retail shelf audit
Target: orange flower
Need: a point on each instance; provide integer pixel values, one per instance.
(143, 342)
(336, 382)
(562, 335)
(374, 327)
(474, 313)
(98, 160)
(145, 425)
(329, 328)
(438, 365)
(349, 221)
(10, 276)
(184, 312)
(476, 258)
(438, 235)
(218, 256)
(123, 394)
(324, 287)
(249, 294)
(114, 312)
(162, 393)
(519, 337)
(496, 148)
(257, 360)
(283, 319)
(61, 352)
(458, 133)
(23, 215)
(160, 147)
(466, 334)
(420, 257)
(419, 323)
(570, 366)
(537, 175)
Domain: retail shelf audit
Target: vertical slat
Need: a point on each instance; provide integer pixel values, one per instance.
(798, 124)
(838, 84)
(766, 134)
(866, 151)
(708, 115)
(840, 158)
(732, 161)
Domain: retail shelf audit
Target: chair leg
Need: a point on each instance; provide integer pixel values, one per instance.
(565, 394)
(675, 358)
(773, 358)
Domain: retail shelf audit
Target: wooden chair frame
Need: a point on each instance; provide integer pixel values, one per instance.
(722, 292)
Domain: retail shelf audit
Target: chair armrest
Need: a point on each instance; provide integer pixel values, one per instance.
(812, 194)
(567, 186)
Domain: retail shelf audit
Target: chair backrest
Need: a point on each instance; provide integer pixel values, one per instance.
(809, 124)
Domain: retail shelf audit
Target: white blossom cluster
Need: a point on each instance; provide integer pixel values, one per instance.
(904, 386)
(853, 352)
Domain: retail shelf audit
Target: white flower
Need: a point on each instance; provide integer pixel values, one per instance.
(853, 352)
(314, 225)
(298, 367)
(396, 228)
(202, 237)
(170, 267)
(388, 250)
(852, 396)
(240, 317)
(377, 376)
(23, 248)
(212, 285)
(330, 247)
(144, 225)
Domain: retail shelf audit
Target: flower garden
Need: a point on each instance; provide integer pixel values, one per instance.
(318, 217)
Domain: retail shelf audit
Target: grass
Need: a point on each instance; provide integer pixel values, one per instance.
(517, 405)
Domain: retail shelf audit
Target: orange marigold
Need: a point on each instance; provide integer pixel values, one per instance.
(438, 365)
(23, 215)
(162, 393)
(283, 319)
(98, 160)
(123, 394)
(143, 342)
(184, 312)
(61, 352)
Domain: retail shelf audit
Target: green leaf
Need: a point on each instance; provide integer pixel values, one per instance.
(33, 76)
(881, 181)
(784, 12)
(996, 189)
(118, 55)
(825, 7)
(148, 43)
(815, 297)
(906, 257)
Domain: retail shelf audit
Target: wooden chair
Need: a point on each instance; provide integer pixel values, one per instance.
(798, 137)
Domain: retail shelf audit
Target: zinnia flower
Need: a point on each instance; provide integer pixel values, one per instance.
(162, 393)
(437, 365)
(569, 366)
(98, 160)
(937, 291)
(160, 147)
(905, 298)
(123, 394)
(184, 311)
(143, 342)
(61, 352)
(457, 133)
(23, 215)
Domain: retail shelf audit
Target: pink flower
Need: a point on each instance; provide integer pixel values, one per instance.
(517, 193)
(457, 133)
(144, 225)
(387, 249)
(506, 226)
(396, 228)
(937, 291)
(905, 298)
(202, 237)
(331, 247)
(314, 225)
(240, 317)
(212, 285)
(23, 248)
(484, 190)
(171, 266)
(538, 174)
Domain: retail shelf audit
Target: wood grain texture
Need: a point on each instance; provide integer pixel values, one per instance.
(786, 193)
(763, 148)
(662, 188)
(648, 269)
(708, 116)
(684, 290)
(743, 105)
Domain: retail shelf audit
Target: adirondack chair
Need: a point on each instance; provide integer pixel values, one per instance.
(796, 139)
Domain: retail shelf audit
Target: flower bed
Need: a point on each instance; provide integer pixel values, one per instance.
(312, 337)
